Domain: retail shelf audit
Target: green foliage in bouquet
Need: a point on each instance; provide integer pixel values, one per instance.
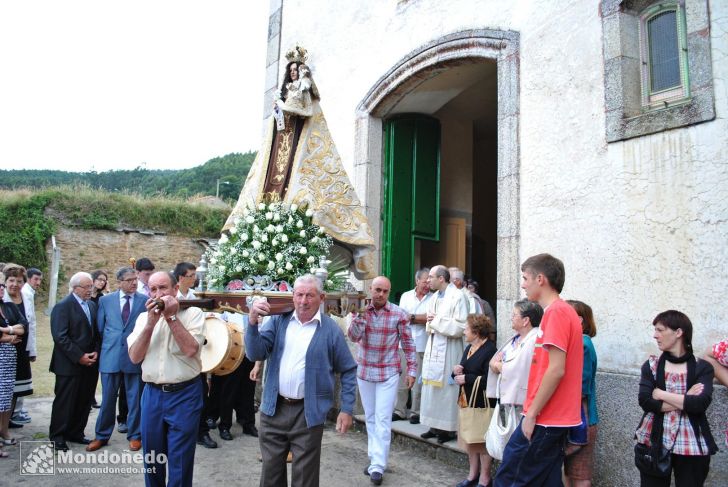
(274, 240)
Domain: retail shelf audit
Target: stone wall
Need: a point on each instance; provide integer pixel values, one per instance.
(88, 250)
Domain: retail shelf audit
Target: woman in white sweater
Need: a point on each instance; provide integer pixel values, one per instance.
(510, 366)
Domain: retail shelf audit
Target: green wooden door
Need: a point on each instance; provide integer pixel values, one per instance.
(411, 194)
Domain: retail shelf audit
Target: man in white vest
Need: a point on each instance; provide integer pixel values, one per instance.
(447, 313)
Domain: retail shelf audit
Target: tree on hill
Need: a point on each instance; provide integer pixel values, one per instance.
(231, 168)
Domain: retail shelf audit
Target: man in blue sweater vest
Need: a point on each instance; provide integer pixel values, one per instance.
(304, 349)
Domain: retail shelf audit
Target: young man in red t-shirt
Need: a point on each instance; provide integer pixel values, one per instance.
(535, 453)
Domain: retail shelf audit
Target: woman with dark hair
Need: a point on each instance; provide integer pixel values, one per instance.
(511, 365)
(717, 355)
(474, 364)
(579, 461)
(14, 281)
(100, 280)
(675, 391)
(12, 329)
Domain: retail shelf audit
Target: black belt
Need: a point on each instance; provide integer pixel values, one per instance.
(174, 387)
(288, 400)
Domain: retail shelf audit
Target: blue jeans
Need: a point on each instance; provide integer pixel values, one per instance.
(534, 463)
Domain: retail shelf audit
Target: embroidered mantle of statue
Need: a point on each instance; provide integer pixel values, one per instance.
(298, 163)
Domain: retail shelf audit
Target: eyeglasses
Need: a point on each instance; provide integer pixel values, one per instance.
(131, 279)
(86, 287)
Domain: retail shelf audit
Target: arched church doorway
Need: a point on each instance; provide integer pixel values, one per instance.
(440, 177)
(460, 91)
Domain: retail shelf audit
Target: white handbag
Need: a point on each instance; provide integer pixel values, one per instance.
(500, 429)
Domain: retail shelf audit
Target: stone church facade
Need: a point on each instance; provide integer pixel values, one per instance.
(561, 127)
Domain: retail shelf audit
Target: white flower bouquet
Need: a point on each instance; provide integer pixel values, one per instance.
(273, 240)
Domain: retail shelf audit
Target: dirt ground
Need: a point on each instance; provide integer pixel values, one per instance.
(233, 463)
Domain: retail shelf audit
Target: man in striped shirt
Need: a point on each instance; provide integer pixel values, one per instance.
(379, 331)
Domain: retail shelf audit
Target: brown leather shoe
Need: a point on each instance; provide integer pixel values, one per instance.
(135, 445)
(96, 444)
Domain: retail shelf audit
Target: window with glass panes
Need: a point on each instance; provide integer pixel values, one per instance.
(664, 56)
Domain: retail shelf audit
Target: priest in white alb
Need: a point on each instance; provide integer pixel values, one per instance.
(447, 313)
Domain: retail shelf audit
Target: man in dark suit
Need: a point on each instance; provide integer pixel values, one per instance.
(117, 315)
(74, 361)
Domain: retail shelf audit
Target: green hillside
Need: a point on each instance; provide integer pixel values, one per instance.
(232, 169)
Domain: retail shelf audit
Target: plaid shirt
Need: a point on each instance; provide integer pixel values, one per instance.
(676, 431)
(379, 333)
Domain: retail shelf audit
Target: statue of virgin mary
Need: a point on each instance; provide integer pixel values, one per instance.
(298, 164)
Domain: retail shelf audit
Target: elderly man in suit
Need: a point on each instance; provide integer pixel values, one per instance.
(117, 315)
(74, 361)
(304, 349)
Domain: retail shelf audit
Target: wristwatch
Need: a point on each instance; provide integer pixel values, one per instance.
(412, 318)
(172, 318)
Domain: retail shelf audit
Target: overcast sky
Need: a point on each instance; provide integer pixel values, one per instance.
(102, 84)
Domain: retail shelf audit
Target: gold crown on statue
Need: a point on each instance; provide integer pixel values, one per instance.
(298, 54)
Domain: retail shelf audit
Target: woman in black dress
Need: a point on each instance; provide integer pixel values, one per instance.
(14, 280)
(474, 364)
(100, 280)
(12, 330)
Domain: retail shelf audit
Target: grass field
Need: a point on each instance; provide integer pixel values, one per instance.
(43, 379)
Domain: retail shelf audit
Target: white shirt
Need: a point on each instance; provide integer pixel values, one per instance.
(189, 295)
(122, 301)
(164, 362)
(414, 306)
(143, 288)
(28, 294)
(292, 373)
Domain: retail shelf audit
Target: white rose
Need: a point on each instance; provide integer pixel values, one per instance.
(233, 251)
(261, 206)
(294, 207)
(279, 257)
(249, 219)
(261, 256)
(314, 239)
(309, 212)
(236, 221)
(269, 215)
(276, 217)
(274, 242)
(252, 261)
(279, 271)
(289, 266)
(310, 259)
(270, 229)
(321, 230)
(246, 253)
(302, 233)
(244, 237)
(299, 224)
(271, 266)
(255, 244)
(290, 219)
(223, 239)
(302, 251)
(284, 238)
(213, 261)
(233, 231)
(256, 229)
(279, 228)
(263, 237)
(239, 268)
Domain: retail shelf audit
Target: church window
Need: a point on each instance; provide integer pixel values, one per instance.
(663, 56)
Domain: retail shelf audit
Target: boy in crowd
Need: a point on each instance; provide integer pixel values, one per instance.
(535, 453)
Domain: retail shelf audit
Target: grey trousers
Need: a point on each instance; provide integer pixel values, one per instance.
(403, 394)
(287, 431)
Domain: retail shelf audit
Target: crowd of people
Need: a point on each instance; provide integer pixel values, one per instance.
(431, 359)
